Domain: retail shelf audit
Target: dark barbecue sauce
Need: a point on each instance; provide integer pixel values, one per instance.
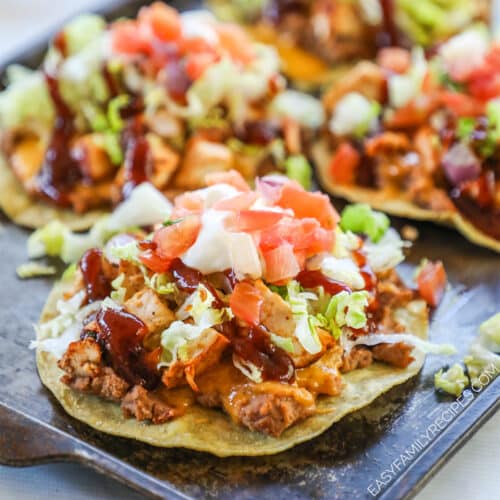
(138, 162)
(187, 279)
(60, 43)
(389, 36)
(481, 211)
(313, 279)
(97, 285)
(254, 345)
(59, 171)
(111, 83)
(122, 334)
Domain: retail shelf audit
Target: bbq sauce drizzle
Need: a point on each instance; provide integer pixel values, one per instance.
(59, 171)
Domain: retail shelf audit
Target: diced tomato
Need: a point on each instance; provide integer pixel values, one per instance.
(461, 104)
(235, 42)
(231, 177)
(239, 202)
(344, 163)
(281, 264)
(186, 204)
(164, 21)
(154, 262)
(195, 45)
(431, 281)
(254, 220)
(306, 204)
(245, 302)
(484, 80)
(128, 39)
(197, 63)
(172, 241)
(394, 59)
(305, 235)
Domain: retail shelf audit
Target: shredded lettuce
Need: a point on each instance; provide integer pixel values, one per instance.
(118, 293)
(302, 108)
(160, 284)
(26, 102)
(146, 206)
(490, 333)
(199, 307)
(55, 335)
(174, 337)
(360, 218)
(403, 88)
(283, 343)
(348, 309)
(387, 253)
(69, 272)
(452, 381)
(82, 30)
(300, 170)
(393, 338)
(251, 371)
(34, 270)
(344, 270)
(354, 115)
(129, 252)
(305, 330)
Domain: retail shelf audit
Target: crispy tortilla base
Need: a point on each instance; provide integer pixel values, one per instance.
(26, 211)
(394, 204)
(212, 431)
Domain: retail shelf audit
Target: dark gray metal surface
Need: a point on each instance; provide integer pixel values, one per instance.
(390, 448)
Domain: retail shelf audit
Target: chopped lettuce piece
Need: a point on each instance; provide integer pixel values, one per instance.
(490, 332)
(348, 309)
(48, 240)
(199, 307)
(69, 272)
(393, 338)
(160, 284)
(360, 218)
(481, 361)
(403, 88)
(174, 337)
(82, 30)
(251, 371)
(387, 253)
(129, 251)
(354, 114)
(34, 270)
(305, 330)
(303, 108)
(283, 343)
(299, 169)
(115, 105)
(26, 102)
(118, 293)
(452, 381)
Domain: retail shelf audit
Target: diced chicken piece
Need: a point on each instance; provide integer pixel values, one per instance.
(148, 307)
(358, 357)
(92, 159)
(201, 158)
(394, 354)
(269, 407)
(165, 161)
(366, 78)
(323, 376)
(82, 358)
(27, 158)
(143, 405)
(387, 142)
(85, 197)
(196, 356)
(276, 315)
(85, 372)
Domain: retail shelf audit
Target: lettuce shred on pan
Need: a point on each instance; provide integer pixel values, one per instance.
(360, 218)
(452, 381)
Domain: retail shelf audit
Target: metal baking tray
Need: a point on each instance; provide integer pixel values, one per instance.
(388, 450)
